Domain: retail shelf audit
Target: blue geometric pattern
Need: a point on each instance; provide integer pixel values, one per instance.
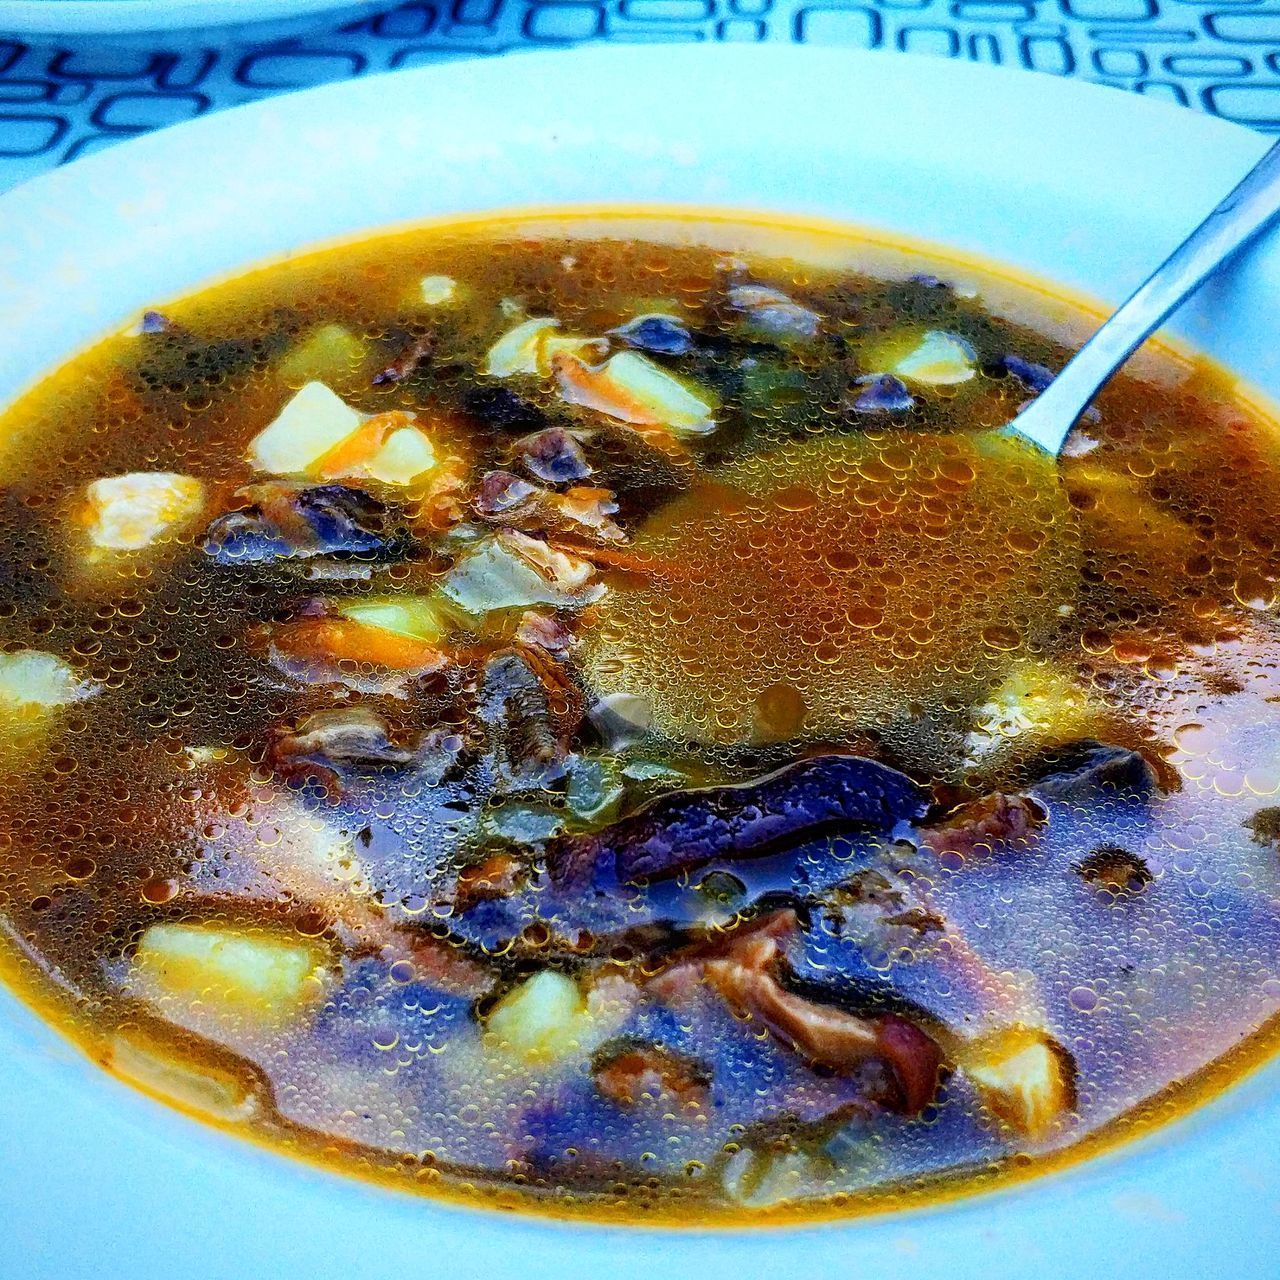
(61, 101)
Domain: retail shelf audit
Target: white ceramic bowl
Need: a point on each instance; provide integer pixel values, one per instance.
(1078, 184)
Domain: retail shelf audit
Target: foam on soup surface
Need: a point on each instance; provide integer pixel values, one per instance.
(588, 714)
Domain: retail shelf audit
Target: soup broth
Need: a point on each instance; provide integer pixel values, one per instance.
(592, 714)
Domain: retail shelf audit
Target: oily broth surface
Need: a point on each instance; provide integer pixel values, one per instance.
(1158, 614)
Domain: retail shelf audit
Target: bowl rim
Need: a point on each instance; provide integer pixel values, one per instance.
(1155, 1194)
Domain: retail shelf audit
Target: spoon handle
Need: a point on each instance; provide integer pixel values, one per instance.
(1241, 215)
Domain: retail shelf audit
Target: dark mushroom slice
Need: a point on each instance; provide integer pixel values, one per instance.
(1079, 771)
(687, 829)
(284, 521)
(502, 409)
(659, 334)
(529, 711)
(553, 456)
(882, 393)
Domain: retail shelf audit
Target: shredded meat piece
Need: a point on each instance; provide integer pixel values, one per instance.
(823, 1034)
(543, 631)
(984, 825)
(503, 498)
(497, 876)
(325, 743)
(407, 363)
(437, 962)
(634, 1072)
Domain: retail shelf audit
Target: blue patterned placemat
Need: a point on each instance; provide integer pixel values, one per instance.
(60, 101)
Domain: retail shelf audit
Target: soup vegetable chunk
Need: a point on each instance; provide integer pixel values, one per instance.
(593, 715)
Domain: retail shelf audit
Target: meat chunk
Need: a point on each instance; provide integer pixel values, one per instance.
(505, 499)
(326, 744)
(634, 1071)
(985, 825)
(823, 1034)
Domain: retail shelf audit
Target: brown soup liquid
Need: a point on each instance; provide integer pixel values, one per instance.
(589, 714)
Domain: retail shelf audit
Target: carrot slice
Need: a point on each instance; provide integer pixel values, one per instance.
(350, 454)
(340, 639)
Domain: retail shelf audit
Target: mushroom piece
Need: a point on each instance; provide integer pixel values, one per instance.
(285, 520)
(529, 711)
(984, 825)
(553, 456)
(686, 829)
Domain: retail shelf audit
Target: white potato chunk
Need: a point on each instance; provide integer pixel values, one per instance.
(520, 349)
(632, 388)
(314, 421)
(549, 1018)
(269, 978)
(940, 360)
(437, 290)
(1036, 702)
(1024, 1076)
(130, 512)
(181, 1078)
(32, 682)
(326, 352)
(542, 1018)
(513, 571)
(421, 617)
(406, 454)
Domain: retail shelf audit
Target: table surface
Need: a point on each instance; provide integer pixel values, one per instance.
(61, 100)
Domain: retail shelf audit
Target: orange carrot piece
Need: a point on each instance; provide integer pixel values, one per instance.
(347, 456)
(339, 639)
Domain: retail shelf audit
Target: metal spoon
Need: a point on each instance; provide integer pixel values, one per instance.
(1048, 419)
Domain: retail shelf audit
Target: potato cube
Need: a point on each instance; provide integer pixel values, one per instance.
(405, 455)
(437, 290)
(33, 682)
(233, 971)
(544, 1018)
(314, 421)
(941, 360)
(1024, 1076)
(130, 512)
(330, 351)
(419, 616)
(520, 349)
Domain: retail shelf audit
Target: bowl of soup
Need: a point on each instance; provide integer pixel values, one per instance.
(542, 711)
(132, 20)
